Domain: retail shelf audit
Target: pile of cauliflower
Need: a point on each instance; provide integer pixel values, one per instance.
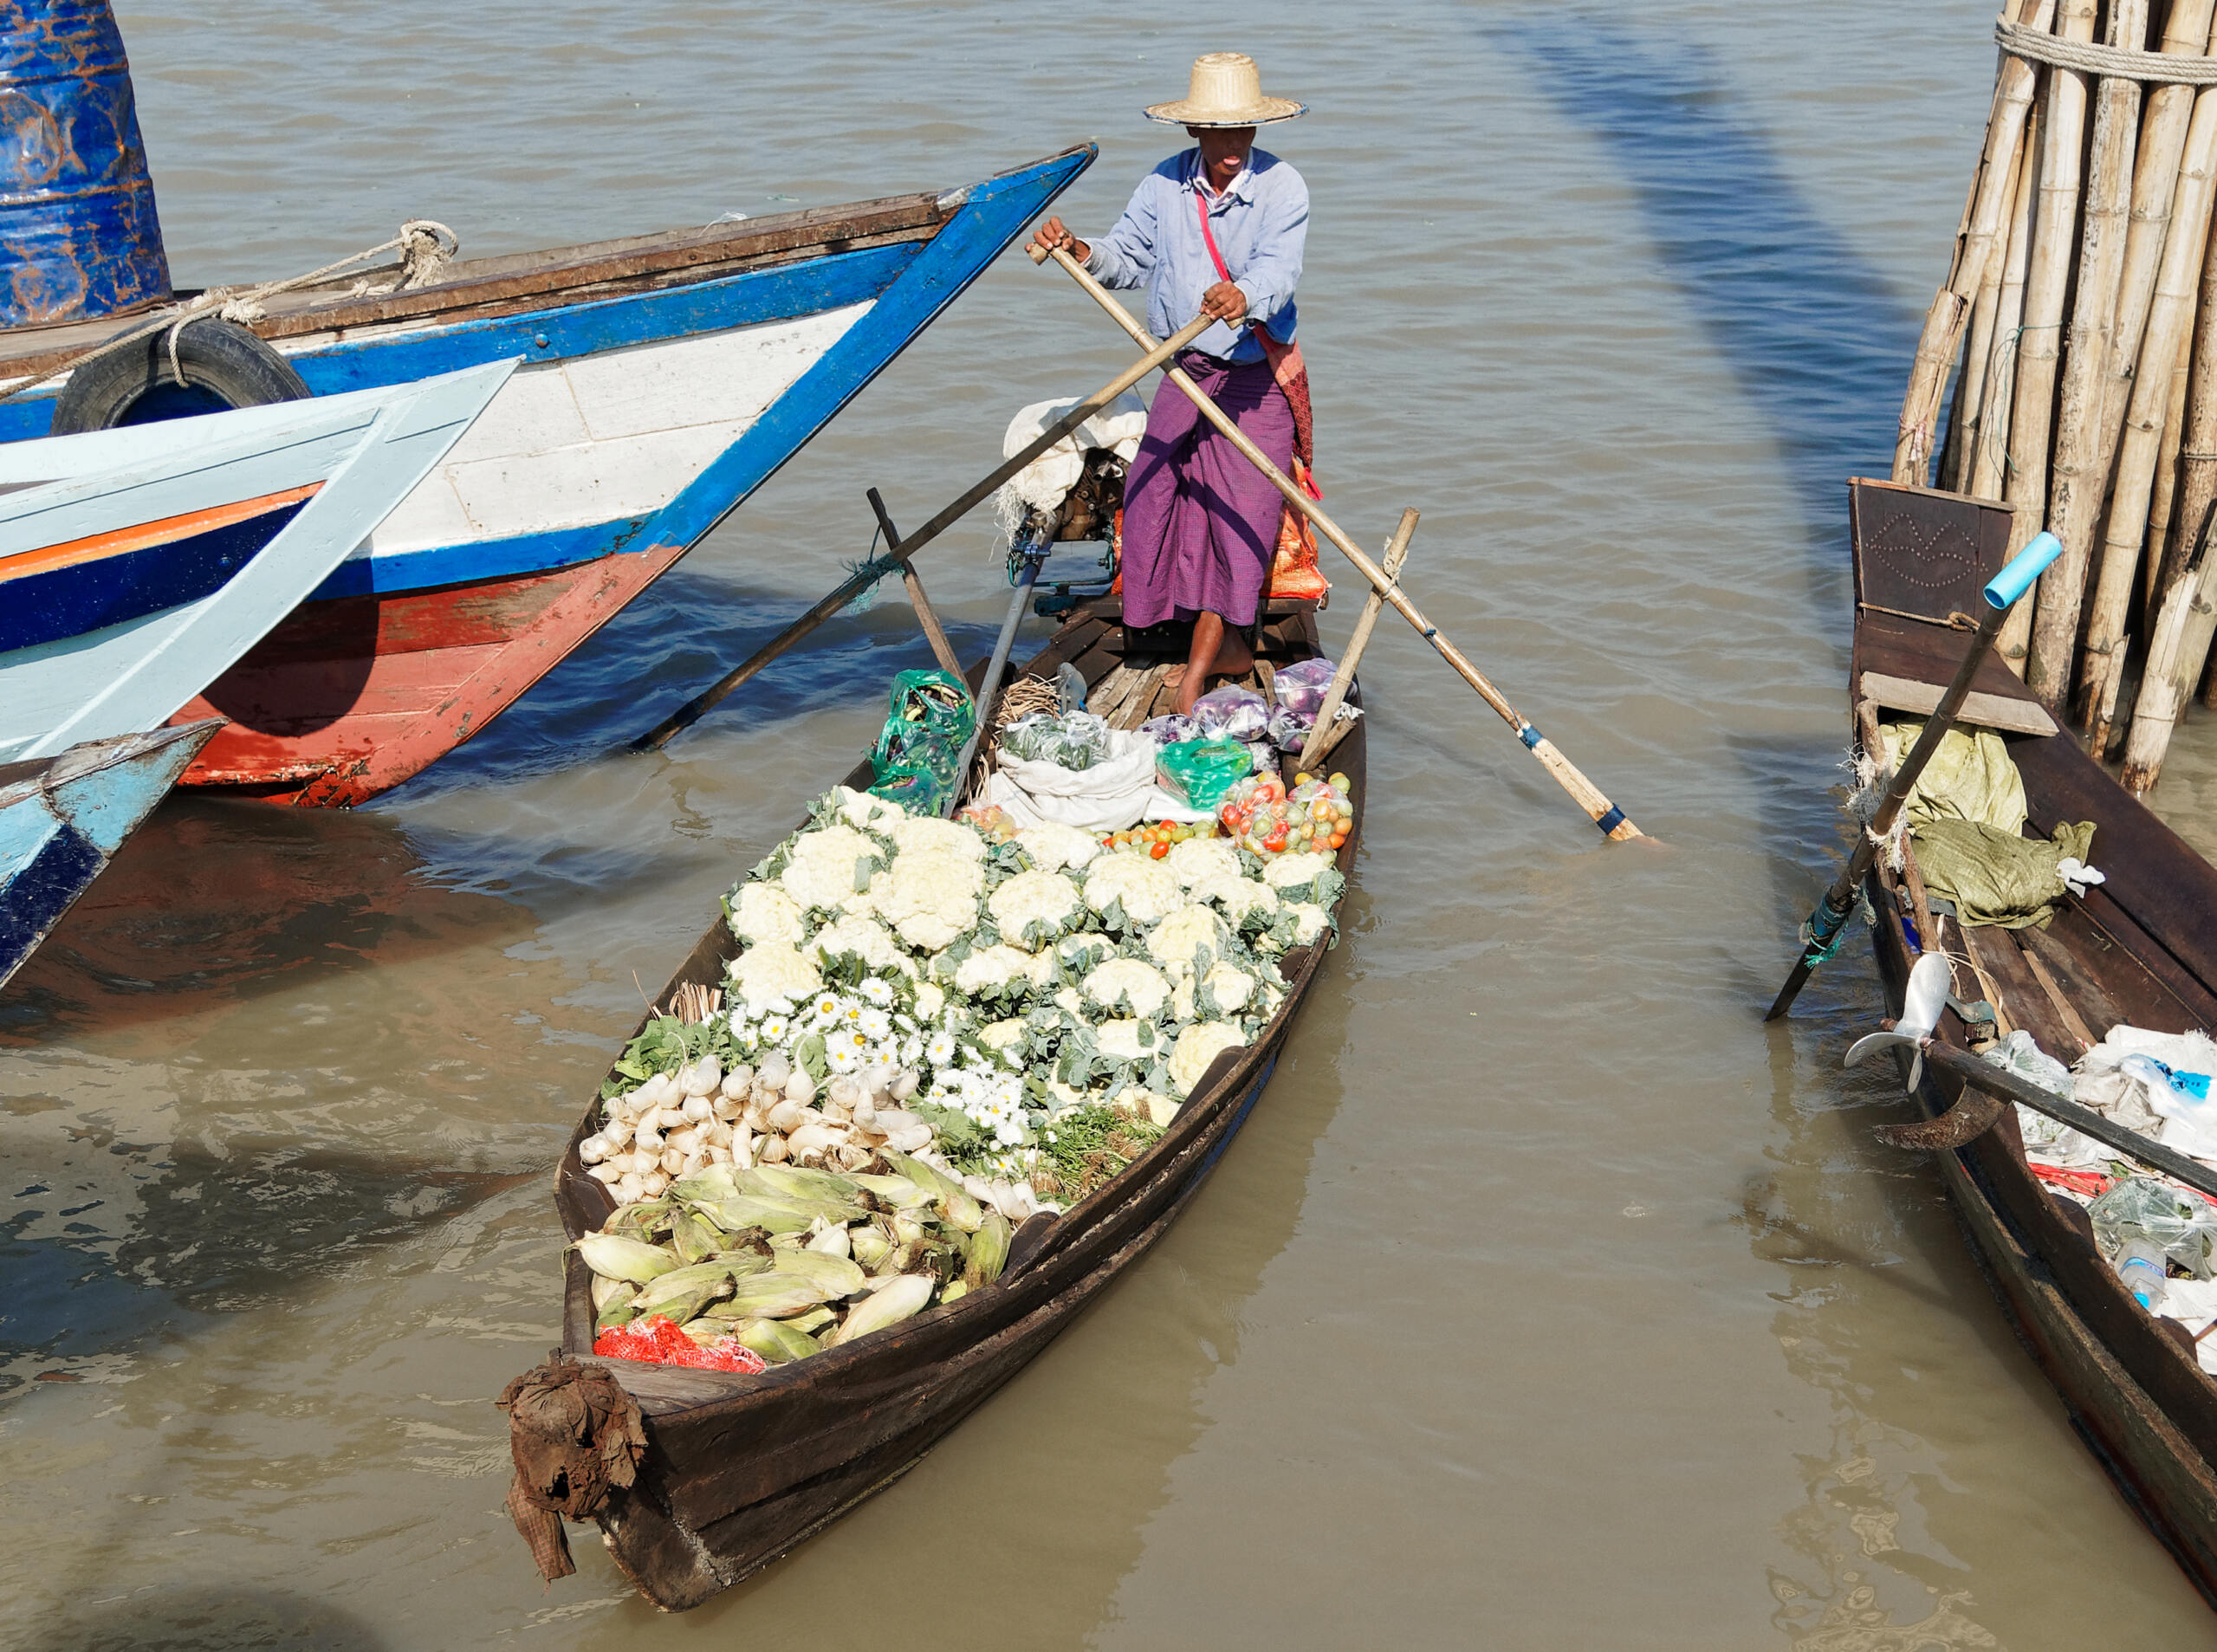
(1021, 980)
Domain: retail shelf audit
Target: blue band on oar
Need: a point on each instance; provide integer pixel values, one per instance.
(2022, 569)
(1531, 736)
(1610, 822)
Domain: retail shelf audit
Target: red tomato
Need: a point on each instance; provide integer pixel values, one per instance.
(1159, 851)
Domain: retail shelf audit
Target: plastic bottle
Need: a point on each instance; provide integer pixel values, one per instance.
(2139, 1263)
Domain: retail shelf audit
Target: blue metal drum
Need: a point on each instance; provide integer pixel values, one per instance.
(79, 236)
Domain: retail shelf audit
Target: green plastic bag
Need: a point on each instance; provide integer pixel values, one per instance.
(919, 748)
(1200, 772)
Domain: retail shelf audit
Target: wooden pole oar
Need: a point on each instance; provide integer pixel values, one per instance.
(1612, 819)
(1319, 740)
(1972, 1117)
(832, 601)
(926, 616)
(1831, 914)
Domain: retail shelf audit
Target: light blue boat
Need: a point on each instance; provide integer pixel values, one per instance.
(61, 817)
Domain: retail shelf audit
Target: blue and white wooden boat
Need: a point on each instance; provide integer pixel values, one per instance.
(664, 379)
(137, 565)
(61, 817)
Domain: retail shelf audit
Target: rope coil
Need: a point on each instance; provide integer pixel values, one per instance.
(2116, 62)
(425, 245)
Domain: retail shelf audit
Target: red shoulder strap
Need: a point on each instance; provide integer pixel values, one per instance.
(1208, 239)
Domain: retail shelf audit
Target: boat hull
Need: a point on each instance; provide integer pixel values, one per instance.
(63, 819)
(141, 564)
(739, 1470)
(651, 402)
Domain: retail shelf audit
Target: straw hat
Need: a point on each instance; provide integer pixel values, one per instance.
(1226, 91)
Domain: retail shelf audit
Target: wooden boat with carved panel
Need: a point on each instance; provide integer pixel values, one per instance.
(2140, 949)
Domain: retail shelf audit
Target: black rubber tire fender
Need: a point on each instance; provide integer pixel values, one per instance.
(217, 357)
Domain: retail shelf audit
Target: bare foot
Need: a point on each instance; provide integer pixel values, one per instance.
(1218, 650)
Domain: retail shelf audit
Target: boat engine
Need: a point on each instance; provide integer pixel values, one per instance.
(1089, 513)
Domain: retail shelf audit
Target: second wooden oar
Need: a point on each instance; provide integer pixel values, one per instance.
(1612, 819)
(1822, 933)
(870, 573)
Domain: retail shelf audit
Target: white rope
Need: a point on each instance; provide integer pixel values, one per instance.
(425, 247)
(2038, 46)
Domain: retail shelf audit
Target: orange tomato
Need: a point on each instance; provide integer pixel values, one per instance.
(1159, 850)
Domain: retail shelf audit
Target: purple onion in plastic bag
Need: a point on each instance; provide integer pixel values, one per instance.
(1301, 687)
(1235, 713)
(1170, 729)
(1289, 731)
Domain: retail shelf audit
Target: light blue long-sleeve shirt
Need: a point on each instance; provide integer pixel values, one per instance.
(1259, 224)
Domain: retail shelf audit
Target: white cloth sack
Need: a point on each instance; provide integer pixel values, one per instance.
(1043, 481)
(1108, 797)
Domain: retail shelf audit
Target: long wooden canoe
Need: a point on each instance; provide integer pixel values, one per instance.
(664, 379)
(739, 1470)
(2141, 949)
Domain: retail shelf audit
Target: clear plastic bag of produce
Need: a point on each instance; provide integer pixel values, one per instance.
(1236, 713)
(1170, 728)
(1076, 740)
(1301, 687)
(1289, 729)
(1199, 772)
(2182, 1225)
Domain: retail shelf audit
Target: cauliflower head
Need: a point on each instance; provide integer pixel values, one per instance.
(863, 938)
(993, 972)
(1197, 1046)
(1231, 987)
(1118, 982)
(820, 873)
(1032, 908)
(1198, 860)
(924, 835)
(1125, 1040)
(931, 899)
(763, 912)
(1176, 943)
(1237, 894)
(772, 973)
(931, 999)
(1000, 1035)
(1051, 846)
(1148, 888)
(861, 809)
(1296, 871)
(1309, 921)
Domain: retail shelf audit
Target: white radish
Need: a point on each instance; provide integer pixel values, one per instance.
(698, 1110)
(673, 1160)
(669, 1117)
(618, 1132)
(631, 1189)
(905, 1086)
(776, 1068)
(719, 1134)
(810, 1138)
(647, 1139)
(737, 1083)
(607, 1175)
(592, 1150)
(718, 1155)
(656, 1184)
(695, 1162)
(773, 1151)
(743, 1147)
(799, 1087)
(785, 1116)
(727, 1108)
(700, 1076)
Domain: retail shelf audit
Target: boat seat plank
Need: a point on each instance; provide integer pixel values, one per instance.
(1921, 699)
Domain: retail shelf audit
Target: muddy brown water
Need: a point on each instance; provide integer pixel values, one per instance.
(1547, 1301)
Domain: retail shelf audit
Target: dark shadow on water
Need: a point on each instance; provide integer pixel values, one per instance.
(213, 901)
(188, 1618)
(1814, 335)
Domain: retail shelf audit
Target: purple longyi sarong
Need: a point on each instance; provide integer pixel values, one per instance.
(1199, 522)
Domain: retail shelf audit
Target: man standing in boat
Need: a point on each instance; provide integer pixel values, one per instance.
(1217, 229)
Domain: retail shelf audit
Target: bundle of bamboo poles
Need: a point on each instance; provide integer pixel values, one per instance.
(2079, 322)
